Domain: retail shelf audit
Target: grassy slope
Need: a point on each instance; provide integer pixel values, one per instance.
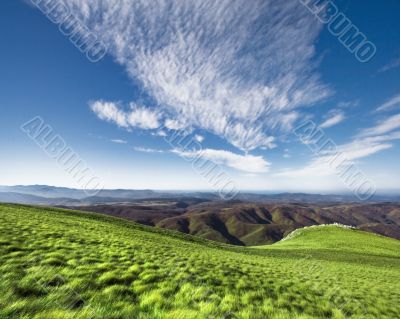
(63, 264)
(339, 239)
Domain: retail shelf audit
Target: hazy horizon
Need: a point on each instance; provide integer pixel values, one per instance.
(210, 190)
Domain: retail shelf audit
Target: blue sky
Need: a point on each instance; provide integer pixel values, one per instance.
(237, 78)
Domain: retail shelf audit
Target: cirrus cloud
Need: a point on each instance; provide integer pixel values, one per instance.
(393, 102)
(370, 141)
(334, 118)
(236, 70)
(140, 117)
(388, 124)
(109, 111)
(246, 163)
(147, 150)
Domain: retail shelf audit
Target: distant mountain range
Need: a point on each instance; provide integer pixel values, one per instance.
(250, 223)
(51, 195)
(249, 219)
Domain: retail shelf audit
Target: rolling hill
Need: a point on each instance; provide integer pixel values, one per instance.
(249, 219)
(244, 223)
(57, 263)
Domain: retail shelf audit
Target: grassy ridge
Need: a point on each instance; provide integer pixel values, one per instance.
(339, 239)
(63, 264)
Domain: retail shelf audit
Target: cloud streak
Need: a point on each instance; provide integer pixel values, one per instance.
(392, 65)
(109, 111)
(147, 150)
(118, 141)
(371, 141)
(389, 124)
(335, 118)
(392, 103)
(245, 163)
(136, 117)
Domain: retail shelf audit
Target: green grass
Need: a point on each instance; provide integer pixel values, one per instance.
(65, 264)
(338, 239)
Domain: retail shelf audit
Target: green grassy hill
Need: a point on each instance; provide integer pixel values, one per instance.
(66, 264)
(338, 239)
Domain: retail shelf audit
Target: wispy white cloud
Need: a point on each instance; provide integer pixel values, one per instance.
(327, 164)
(118, 141)
(245, 163)
(335, 117)
(236, 70)
(199, 138)
(173, 124)
(161, 133)
(371, 140)
(348, 104)
(147, 150)
(110, 112)
(392, 65)
(140, 117)
(389, 124)
(392, 103)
